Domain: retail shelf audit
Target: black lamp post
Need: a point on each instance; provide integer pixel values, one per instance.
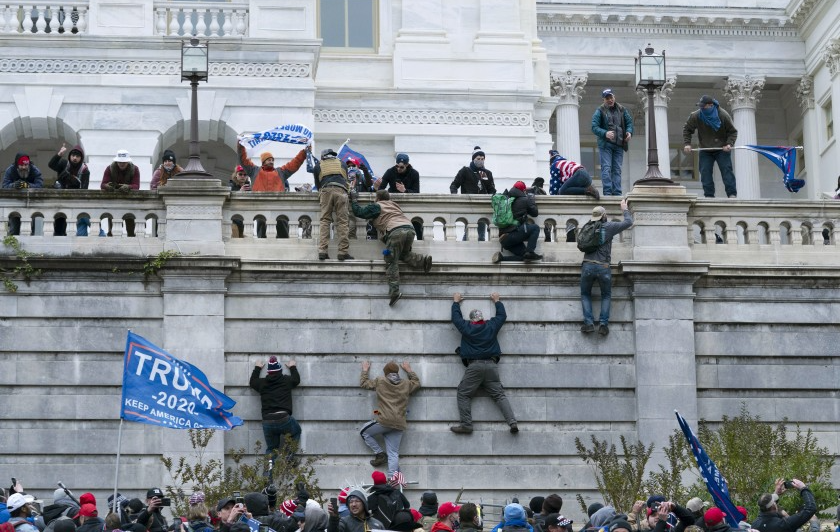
(194, 68)
(650, 75)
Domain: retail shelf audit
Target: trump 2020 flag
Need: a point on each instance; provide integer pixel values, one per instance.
(290, 133)
(715, 482)
(346, 152)
(159, 389)
(785, 158)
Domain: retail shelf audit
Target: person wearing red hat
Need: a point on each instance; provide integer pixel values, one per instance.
(447, 517)
(275, 391)
(513, 237)
(22, 174)
(88, 517)
(384, 501)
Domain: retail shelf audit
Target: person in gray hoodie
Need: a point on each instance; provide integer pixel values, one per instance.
(359, 519)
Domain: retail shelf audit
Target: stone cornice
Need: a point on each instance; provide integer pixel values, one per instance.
(421, 117)
(800, 10)
(664, 20)
(150, 68)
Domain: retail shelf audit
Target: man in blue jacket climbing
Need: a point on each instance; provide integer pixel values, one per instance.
(480, 353)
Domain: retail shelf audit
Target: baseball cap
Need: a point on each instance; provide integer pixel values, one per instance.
(713, 516)
(17, 501)
(87, 510)
(154, 492)
(696, 504)
(447, 508)
(597, 214)
(607, 92)
(224, 502)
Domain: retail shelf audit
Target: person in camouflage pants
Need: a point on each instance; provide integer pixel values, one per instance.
(396, 231)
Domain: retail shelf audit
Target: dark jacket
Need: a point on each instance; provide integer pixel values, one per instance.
(708, 137)
(92, 524)
(601, 124)
(334, 174)
(604, 252)
(352, 524)
(257, 505)
(478, 341)
(471, 181)
(775, 522)
(153, 521)
(685, 518)
(69, 176)
(275, 390)
(386, 491)
(34, 179)
(410, 178)
(130, 176)
(523, 206)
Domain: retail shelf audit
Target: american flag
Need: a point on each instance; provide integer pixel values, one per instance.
(397, 479)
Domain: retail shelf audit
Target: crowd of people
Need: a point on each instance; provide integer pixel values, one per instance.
(383, 506)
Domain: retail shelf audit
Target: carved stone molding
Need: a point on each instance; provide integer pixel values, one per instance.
(156, 68)
(568, 86)
(743, 92)
(420, 116)
(805, 93)
(665, 218)
(541, 126)
(745, 24)
(662, 95)
(831, 56)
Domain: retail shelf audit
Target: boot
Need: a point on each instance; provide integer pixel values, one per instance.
(379, 459)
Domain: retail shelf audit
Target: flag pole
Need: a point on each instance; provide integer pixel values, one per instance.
(740, 148)
(117, 472)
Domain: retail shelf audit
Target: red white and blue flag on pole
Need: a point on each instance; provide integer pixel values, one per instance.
(159, 389)
(346, 152)
(785, 158)
(715, 482)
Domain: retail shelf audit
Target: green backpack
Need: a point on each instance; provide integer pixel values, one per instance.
(503, 210)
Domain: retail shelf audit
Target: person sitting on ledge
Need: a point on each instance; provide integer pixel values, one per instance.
(513, 237)
(569, 178)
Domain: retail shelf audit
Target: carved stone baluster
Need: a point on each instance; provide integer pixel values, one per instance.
(117, 227)
(41, 22)
(201, 24)
(59, 21)
(449, 232)
(27, 19)
(732, 234)
(81, 25)
(751, 234)
(25, 225)
(48, 227)
(241, 25)
(249, 229)
(214, 22)
(710, 233)
(775, 236)
(227, 26)
(173, 22)
(140, 228)
(160, 25)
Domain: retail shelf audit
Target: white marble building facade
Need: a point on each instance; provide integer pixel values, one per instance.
(427, 77)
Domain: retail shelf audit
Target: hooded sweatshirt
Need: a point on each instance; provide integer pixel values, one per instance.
(33, 178)
(70, 176)
(352, 523)
(391, 398)
(275, 390)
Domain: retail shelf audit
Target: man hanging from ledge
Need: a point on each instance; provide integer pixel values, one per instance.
(396, 231)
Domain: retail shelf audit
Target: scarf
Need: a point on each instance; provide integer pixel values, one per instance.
(711, 117)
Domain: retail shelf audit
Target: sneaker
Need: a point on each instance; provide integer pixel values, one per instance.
(603, 330)
(394, 298)
(587, 328)
(592, 191)
(497, 257)
(514, 429)
(732, 196)
(323, 256)
(427, 264)
(461, 429)
(379, 459)
(346, 256)
(531, 256)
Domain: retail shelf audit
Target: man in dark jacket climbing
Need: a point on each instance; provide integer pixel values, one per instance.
(513, 238)
(276, 397)
(480, 352)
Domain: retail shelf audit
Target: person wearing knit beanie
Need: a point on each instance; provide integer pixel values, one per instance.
(165, 171)
(474, 178)
(268, 178)
(389, 422)
(520, 237)
(275, 391)
(378, 478)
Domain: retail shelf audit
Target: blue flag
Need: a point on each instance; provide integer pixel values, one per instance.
(715, 482)
(159, 389)
(346, 152)
(785, 158)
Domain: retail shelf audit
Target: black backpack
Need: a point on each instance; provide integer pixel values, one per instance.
(387, 506)
(591, 236)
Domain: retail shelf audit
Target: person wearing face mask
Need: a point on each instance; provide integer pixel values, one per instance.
(447, 518)
(716, 133)
(165, 171)
(474, 179)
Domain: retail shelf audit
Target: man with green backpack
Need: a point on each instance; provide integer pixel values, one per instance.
(510, 214)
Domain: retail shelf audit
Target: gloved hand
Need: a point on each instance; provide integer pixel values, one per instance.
(109, 187)
(124, 188)
(21, 184)
(354, 195)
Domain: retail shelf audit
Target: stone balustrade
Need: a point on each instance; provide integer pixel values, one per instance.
(55, 18)
(210, 20)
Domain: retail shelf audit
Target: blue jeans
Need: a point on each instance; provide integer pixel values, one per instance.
(589, 273)
(392, 439)
(724, 162)
(577, 184)
(514, 241)
(275, 433)
(612, 157)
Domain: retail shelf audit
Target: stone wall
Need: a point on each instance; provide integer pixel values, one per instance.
(695, 326)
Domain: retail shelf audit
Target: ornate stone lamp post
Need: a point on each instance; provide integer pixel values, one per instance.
(194, 68)
(650, 75)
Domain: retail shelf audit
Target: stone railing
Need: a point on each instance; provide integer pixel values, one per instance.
(210, 20)
(255, 225)
(55, 18)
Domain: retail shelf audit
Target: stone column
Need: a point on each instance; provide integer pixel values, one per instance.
(661, 97)
(810, 138)
(662, 277)
(831, 56)
(568, 88)
(743, 94)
